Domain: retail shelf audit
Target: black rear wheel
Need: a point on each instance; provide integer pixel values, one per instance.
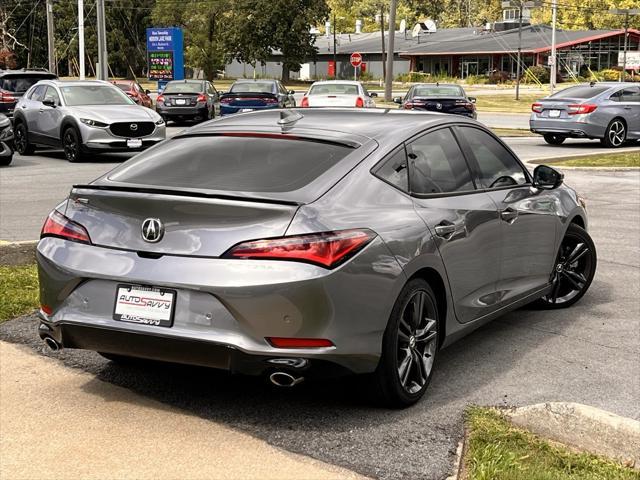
(553, 139)
(573, 271)
(21, 140)
(410, 346)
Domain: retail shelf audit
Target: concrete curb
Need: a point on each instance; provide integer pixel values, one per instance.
(18, 253)
(583, 427)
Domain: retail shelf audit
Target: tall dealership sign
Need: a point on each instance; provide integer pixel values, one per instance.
(165, 58)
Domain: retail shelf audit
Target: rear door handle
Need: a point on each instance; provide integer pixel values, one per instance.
(445, 229)
(509, 215)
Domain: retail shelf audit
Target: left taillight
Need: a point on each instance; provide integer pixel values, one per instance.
(326, 249)
(57, 225)
(359, 102)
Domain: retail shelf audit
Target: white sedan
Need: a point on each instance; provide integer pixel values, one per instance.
(338, 93)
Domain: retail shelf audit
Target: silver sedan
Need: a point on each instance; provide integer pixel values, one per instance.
(83, 117)
(606, 111)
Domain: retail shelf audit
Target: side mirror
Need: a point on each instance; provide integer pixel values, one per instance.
(373, 94)
(472, 99)
(49, 102)
(221, 92)
(397, 100)
(291, 92)
(147, 92)
(547, 178)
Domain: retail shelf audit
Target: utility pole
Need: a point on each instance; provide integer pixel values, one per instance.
(384, 63)
(626, 12)
(552, 59)
(335, 55)
(50, 38)
(519, 51)
(388, 79)
(81, 37)
(103, 72)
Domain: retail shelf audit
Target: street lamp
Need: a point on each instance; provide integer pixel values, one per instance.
(626, 12)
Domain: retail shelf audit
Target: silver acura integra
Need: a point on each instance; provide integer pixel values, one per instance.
(298, 242)
(83, 117)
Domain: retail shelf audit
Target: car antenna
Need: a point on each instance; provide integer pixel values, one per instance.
(288, 118)
(437, 84)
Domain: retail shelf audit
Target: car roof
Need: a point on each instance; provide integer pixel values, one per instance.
(437, 85)
(385, 126)
(67, 83)
(254, 80)
(28, 72)
(328, 82)
(186, 80)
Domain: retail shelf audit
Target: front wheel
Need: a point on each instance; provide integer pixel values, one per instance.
(616, 134)
(573, 271)
(71, 145)
(410, 346)
(553, 139)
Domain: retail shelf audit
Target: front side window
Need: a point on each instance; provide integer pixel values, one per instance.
(437, 165)
(51, 94)
(497, 166)
(394, 170)
(37, 95)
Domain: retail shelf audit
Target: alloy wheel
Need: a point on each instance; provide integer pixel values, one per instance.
(21, 139)
(617, 133)
(417, 342)
(70, 146)
(571, 273)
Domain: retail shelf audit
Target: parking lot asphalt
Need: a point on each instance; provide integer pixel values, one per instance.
(589, 353)
(33, 185)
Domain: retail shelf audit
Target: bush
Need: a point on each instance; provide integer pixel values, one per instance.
(476, 80)
(536, 72)
(498, 76)
(413, 77)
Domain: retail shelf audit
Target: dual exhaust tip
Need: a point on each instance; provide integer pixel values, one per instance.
(52, 344)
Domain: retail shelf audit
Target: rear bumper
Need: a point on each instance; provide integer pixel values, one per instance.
(577, 128)
(182, 112)
(224, 309)
(228, 110)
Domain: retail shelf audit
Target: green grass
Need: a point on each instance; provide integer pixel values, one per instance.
(19, 287)
(496, 450)
(506, 103)
(512, 132)
(621, 159)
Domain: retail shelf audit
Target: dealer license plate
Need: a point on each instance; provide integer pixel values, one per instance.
(554, 113)
(247, 110)
(181, 101)
(134, 143)
(147, 305)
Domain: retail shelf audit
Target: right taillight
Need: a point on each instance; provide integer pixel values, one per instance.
(304, 103)
(581, 108)
(57, 225)
(327, 249)
(359, 102)
(536, 107)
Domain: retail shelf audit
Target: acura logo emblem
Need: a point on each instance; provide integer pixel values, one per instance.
(133, 126)
(152, 230)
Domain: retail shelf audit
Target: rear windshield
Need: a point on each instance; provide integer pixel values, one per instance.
(183, 87)
(252, 87)
(94, 95)
(580, 92)
(234, 164)
(438, 91)
(21, 83)
(334, 89)
(125, 87)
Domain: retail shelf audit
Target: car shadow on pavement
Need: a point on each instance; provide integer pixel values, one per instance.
(89, 158)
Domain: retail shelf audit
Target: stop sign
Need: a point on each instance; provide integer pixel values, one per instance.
(356, 59)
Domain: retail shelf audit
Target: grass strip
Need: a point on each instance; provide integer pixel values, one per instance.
(496, 450)
(18, 290)
(619, 159)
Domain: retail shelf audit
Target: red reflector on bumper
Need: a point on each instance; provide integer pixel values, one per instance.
(283, 342)
(46, 309)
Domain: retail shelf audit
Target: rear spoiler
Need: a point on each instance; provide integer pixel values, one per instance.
(182, 193)
(304, 137)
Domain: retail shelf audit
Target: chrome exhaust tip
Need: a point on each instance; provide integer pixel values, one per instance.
(52, 344)
(284, 379)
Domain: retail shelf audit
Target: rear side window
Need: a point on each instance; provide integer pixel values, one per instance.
(394, 170)
(436, 164)
(580, 92)
(497, 166)
(22, 83)
(631, 94)
(232, 163)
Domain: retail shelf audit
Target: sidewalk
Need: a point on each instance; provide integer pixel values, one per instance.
(57, 422)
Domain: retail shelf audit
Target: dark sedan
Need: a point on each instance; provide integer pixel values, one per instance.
(307, 242)
(435, 97)
(249, 95)
(196, 100)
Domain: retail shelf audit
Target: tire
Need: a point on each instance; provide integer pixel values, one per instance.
(553, 139)
(394, 385)
(72, 145)
(573, 272)
(616, 134)
(4, 161)
(21, 140)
